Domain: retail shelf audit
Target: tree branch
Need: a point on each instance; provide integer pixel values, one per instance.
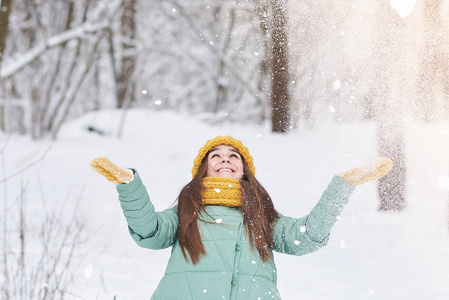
(14, 65)
(27, 167)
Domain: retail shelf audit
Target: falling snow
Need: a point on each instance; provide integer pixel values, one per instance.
(375, 239)
(342, 65)
(337, 84)
(443, 182)
(88, 271)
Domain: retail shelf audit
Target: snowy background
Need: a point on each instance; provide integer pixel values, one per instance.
(146, 83)
(371, 254)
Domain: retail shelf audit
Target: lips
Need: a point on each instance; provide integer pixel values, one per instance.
(225, 170)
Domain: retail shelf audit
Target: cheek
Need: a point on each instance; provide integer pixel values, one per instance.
(210, 167)
(240, 166)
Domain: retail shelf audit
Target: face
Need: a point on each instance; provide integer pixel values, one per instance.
(224, 161)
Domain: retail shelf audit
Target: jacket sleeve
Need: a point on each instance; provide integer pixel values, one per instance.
(150, 229)
(311, 232)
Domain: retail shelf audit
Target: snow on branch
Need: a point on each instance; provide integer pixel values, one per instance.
(216, 52)
(105, 10)
(14, 65)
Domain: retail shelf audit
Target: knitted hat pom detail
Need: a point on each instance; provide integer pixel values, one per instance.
(223, 140)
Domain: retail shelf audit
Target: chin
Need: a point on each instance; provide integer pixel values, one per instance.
(232, 176)
(226, 175)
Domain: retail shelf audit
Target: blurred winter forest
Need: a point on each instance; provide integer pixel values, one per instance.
(289, 64)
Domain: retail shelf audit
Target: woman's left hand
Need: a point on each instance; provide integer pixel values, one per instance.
(372, 171)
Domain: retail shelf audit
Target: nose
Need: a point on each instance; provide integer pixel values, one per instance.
(225, 159)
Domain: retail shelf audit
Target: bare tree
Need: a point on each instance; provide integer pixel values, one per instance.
(127, 66)
(280, 94)
(205, 59)
(5, 11)
(190, 56)
(59, 42)
(389, 108)
(40, 261)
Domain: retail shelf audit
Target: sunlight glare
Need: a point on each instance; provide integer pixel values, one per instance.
(443, 182)
(403, 7)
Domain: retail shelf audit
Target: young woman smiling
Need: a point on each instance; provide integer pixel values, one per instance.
(224, 228)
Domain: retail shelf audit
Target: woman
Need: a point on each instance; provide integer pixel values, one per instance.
(225, 227)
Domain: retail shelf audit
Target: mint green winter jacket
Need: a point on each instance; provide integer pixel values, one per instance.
(231, 269)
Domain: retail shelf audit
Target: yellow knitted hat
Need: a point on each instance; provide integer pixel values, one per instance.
(223, 140)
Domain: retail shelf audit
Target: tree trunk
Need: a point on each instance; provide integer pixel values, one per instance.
(434, 66)
(280, 97)
(264, 78)
(5, 11)
(125, 86)
(391, 143)
(389, 107)
(222, 83)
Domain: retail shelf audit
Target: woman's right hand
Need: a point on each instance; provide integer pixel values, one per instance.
(112, 172)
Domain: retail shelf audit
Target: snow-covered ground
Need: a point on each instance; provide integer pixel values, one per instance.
(371, 254)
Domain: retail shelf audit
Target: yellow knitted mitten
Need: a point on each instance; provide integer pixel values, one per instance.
(112, 172)
(372, 171)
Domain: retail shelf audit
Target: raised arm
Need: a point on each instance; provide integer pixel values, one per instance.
(311, 232)
(150, 229)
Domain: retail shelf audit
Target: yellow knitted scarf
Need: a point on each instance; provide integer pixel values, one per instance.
(222, 191)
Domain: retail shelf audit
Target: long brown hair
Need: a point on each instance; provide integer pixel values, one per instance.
(257, 209)
(259, 214)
